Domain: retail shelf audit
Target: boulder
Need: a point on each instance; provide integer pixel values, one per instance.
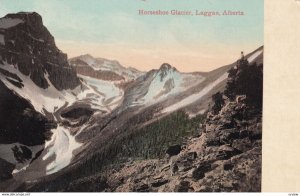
(159, 182)
(183, 186)
(226, 152)
(200, 171)
(173, 150)
(141, 187)
(228, 166)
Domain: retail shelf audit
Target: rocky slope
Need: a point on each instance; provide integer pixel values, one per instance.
(225, 157)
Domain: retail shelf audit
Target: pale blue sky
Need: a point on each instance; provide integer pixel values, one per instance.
(113, 29)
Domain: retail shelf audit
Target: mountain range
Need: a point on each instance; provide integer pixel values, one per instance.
(66, 119)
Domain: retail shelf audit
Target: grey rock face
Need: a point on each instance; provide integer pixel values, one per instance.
(19, 121)
(6, 168)
(31, 47)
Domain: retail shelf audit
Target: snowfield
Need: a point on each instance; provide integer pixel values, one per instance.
(109, 95)
(158, 87)
(100, 94)
(61, 145)
(195, 97)
(254, 55)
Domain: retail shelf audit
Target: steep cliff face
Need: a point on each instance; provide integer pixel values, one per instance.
(27, 44)
(19, 122)
(27, 48)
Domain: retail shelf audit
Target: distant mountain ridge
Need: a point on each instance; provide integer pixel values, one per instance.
(103, 69)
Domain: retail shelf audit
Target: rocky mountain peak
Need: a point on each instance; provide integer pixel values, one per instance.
(32, 18)
(86, 56)
(28, 45)
(165, 69)
(165, 66)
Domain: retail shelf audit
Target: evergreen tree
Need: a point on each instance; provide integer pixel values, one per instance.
(246, 79)
(218, 102)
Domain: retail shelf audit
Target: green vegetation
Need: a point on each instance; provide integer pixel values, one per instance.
(146, 142)
(218, 102)
(152, 140)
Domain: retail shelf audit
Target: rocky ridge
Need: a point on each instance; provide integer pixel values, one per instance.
(103, 69)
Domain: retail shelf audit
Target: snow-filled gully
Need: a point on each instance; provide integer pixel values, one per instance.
(61, 145)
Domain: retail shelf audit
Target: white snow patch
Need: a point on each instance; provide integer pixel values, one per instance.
(49, 99)
(6, 23)
(52, 99)
(106, 91)
(157, 86)
(108, 88)
(62, 145)
(192, 98)
(254, 56)
(157, 91)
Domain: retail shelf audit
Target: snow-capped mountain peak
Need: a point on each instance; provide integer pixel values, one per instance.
(166, 69)
(157, 85)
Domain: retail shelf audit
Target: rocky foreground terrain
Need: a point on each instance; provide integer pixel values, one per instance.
(225, 157)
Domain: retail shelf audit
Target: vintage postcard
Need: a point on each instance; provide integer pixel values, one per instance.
(131, 96)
